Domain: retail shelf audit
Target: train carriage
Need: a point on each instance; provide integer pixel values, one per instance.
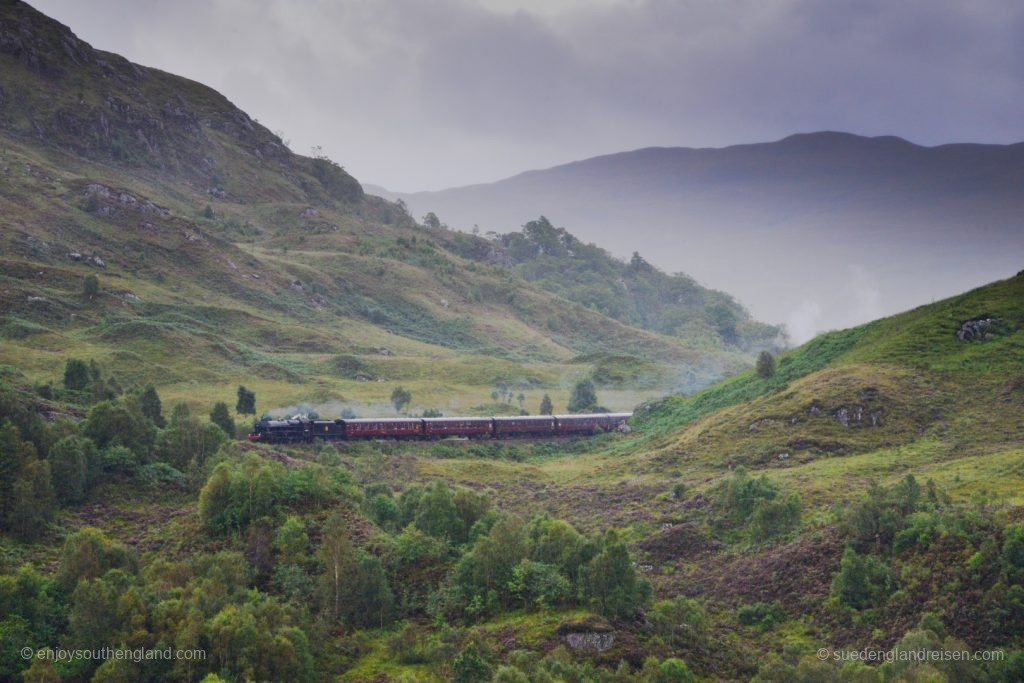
(384, 428)
(470, 427)
(580, 424)
(540, 425)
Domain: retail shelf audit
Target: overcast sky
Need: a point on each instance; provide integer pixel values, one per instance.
(426, 94)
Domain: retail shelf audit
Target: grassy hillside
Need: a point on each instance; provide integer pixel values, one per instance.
(636, 292)
(207, 234)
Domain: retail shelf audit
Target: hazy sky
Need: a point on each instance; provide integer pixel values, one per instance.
(425, 94)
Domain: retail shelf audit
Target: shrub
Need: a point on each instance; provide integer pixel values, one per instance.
(862, 581)
(111, 423)
(90, 286)
(765, 365)
(222, 418)
(763, 614)
(584, 397)
(149, 405)
(72, 466)
(76, 375)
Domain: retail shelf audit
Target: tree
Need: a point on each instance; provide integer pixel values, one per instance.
(149, 404)
(76, 375)
(369, 600)
(584, 397)
(111, 423)
(187, 445)
(14, 454)
(432, 221)
(246, 404)
(611, 583)
(90, 286)
(32, 500)
(222, 418)
(336, 556)
(70, 468)
(292, 541)
(545, 406)
(400, 398)
(765, 365)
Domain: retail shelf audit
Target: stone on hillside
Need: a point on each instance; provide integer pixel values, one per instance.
(591, 634)
(978, 329)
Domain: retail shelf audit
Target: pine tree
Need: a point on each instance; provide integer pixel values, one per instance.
(545, 405)
(765, 365)
(222, 418)
(149, 404)
(246, 404)
(584, 397)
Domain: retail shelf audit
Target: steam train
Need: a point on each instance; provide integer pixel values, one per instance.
(301, 430)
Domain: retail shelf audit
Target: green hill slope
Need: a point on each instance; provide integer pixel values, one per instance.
(224, 258)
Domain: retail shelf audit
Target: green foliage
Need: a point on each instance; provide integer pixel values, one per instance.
(112, 423)
(73, 467)
(291, 541)
(149, 405)
(240, 491)
(761, 614)
(246, 404)
(222, 418)
(682, 622)
(862, 581)
(187, 445)
(32, 501)
(77, 376)
(400, 398)
(546, 408)
(673, 671)
(90, 286)
(89, 554)
(584, 397)
(471, 666)
(765, 365)
(611, 584)
(755, 503)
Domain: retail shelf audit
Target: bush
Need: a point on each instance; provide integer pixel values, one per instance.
(862, 581)
(222, 418)
(73, 465)
(763, 614)
(111, 423)
(584, 397)
(187, 445)
(765, 365)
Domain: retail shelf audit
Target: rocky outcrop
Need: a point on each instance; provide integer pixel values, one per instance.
(978, 329)
(592, 634)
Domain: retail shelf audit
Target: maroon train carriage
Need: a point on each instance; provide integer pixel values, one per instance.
(470, 427)
(540, 425)
(384, 428)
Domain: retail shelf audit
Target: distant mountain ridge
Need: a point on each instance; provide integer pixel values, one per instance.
(818, 230)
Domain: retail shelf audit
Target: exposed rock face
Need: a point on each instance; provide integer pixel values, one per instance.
(110, 200)
(590, 642)
(592, 634)
(857, 415)
(977, 329)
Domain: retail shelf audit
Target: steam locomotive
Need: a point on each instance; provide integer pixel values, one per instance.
(301, 430)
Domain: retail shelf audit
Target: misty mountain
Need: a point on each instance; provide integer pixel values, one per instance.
(818, 230)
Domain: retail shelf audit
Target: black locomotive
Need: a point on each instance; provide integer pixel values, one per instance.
(298, 430)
